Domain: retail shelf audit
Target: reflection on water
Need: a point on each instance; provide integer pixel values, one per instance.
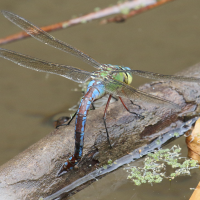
(131, 157)
(116, 186)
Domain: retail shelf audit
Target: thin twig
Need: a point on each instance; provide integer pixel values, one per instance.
(123, 17)
(139, 6)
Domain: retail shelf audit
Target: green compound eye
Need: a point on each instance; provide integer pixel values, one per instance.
(127, 78)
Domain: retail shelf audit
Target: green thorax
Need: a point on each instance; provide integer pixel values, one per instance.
(119, 76)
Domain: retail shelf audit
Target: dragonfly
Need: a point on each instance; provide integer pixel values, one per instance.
(112, 80)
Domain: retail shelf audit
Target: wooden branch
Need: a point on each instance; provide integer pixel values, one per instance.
(139, 6)
(123, 17)
(32, 173)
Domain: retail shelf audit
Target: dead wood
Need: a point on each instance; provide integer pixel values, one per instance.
(32, 173)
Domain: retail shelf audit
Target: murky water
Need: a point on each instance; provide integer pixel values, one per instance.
(163, 40)
(115, 185)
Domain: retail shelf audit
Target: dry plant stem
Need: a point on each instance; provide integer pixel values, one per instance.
(123, 17)
(89, 17)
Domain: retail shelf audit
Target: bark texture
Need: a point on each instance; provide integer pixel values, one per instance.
(32, 173)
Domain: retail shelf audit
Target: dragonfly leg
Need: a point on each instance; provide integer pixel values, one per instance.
(61, 121)
(68, 121)
(104, 118)
(138, 115)
(115, 98)
(135, 104)
(93, 107)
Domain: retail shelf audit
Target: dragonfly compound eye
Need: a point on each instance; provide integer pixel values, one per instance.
(127, 78)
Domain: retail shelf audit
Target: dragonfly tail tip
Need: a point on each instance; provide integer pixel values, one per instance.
(62, 170)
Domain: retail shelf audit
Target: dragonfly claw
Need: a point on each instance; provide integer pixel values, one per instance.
(140, 116)
(60, 122)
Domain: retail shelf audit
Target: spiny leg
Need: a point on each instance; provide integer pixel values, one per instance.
(135, 104)
(104, 118)
(115, 98)
(138, 115)
(93, 107)
(68, 121)
(61, 121)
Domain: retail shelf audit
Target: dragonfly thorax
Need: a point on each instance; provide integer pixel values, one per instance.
(124, 77)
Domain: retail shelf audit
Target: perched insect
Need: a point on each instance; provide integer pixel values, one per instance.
(109, 79)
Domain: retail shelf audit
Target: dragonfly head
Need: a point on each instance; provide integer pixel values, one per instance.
(127, 76)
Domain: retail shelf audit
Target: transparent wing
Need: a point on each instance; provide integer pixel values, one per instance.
(156, 76)
(123, 90)
(36, 64)
(43, 36)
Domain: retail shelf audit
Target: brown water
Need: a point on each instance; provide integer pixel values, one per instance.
(164, 40)
(115, 186)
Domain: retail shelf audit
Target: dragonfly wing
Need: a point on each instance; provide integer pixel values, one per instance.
(43, 36)
(152, 75)
(123, 90)
(36, 64)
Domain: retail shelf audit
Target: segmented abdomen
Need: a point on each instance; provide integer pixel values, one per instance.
(95, 90)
